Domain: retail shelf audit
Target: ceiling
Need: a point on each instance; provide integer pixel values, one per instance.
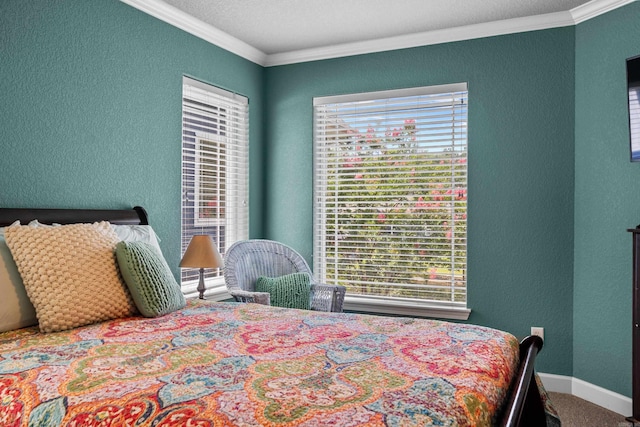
(273, 32)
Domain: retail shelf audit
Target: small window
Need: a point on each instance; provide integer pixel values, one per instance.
(215, 150)
(633, 83)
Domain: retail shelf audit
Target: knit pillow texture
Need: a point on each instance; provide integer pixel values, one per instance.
(290, 291)
(149, 279)
(70, 274)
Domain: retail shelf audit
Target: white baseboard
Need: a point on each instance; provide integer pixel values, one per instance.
(557, 383)
(590, 392)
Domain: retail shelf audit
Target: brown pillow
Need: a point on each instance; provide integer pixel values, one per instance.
(70, 273)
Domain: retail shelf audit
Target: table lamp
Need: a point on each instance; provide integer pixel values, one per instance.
(201, 253)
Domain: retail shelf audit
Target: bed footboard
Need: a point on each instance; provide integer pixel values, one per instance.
(525, 407)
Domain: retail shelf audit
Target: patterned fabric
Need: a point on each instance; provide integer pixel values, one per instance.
(70, 273)
(230, 364)
(551, 414)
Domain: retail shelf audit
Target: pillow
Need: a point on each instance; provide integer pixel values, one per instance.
(16, 311)
(125, 232)
(70, 273)
(291, 291)
(149, 279)
(137, 233)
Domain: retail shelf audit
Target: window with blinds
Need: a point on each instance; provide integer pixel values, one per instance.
(634, 121)
(390, 197)
(633, 84)
(215, 153)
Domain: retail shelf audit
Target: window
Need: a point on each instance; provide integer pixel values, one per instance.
(215, 147)
(633, 84)
(390, 199)
(209, 185)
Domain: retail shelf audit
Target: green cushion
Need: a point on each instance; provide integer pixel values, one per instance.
(149, 279)
(291, 291)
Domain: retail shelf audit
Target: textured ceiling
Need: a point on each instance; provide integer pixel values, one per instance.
(279, 26)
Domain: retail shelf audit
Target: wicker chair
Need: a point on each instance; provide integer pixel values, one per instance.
(245, 261)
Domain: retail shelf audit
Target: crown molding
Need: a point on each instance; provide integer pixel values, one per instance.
(595, 8)
(194, 26)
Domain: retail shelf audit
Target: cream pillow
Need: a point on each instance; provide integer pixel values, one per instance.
(16, 311)
(70, 273)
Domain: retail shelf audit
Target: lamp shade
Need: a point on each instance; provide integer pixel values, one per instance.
(201, 253)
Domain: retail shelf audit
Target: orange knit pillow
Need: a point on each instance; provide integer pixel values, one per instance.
(70, 273)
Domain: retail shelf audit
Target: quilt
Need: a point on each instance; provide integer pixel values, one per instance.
(232, 364)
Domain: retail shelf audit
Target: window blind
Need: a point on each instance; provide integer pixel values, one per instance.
(390, 194)
(215, 150)
(634, 121)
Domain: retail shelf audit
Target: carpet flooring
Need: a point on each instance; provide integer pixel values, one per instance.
(576, 412)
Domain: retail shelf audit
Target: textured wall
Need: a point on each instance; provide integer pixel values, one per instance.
(607, 201)
(521, 133)
(90, 108)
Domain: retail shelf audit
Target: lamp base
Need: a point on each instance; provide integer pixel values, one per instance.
(201, 287)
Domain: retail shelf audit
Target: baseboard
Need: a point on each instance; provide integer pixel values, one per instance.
(557, 383)
(590, 392)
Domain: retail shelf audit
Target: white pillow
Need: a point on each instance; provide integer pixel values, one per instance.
(125, 233)
(137, 233)
(16, 310)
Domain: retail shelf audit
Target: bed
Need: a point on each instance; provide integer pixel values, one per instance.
(232, 364)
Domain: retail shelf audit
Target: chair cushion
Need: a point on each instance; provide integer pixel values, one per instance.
(291, 290)
(149, 279)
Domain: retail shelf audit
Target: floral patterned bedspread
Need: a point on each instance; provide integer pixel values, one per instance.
(229, 364)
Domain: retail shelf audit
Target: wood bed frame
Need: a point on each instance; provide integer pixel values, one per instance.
(524, 407)
(136, 215)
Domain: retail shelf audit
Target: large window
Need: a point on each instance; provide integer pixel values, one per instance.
(390, 196)
(214, 172)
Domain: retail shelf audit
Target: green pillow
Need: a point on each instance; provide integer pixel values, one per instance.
(149, 279)
(291, 291)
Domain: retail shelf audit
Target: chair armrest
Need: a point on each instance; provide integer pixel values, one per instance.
(327, 297)
(257, 297)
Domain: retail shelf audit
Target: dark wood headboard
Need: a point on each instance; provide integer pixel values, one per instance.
(136, 215)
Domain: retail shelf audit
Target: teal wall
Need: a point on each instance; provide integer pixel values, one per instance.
(607, 200)
(521, 156)
(90, 108)
(90, 117)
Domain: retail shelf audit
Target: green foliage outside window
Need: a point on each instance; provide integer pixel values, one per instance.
(395, 223)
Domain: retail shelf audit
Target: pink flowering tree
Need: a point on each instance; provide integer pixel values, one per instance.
(398, 219)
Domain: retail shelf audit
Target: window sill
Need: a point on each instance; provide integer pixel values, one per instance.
(405, 308)
(216, 290)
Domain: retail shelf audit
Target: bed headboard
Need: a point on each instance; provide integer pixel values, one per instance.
(136, 215)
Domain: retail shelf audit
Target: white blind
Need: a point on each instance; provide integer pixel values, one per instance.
(215, 153)
(634, 121)
(390, 193)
